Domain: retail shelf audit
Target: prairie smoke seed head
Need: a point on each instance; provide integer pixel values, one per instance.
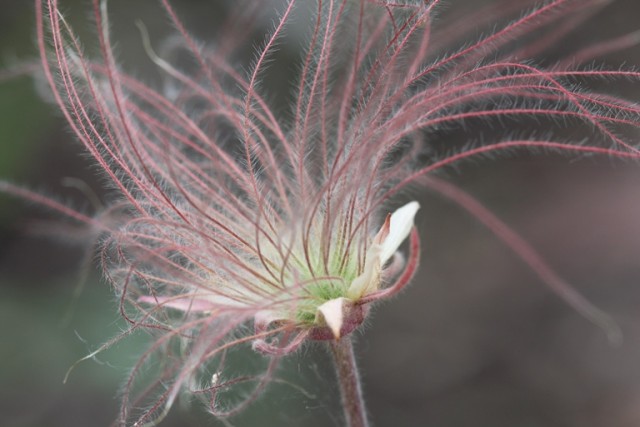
(312, 294)
(233, 214)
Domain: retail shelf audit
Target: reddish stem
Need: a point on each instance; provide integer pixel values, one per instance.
(349, 380)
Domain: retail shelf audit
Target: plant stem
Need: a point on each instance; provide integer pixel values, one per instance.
(349, 380)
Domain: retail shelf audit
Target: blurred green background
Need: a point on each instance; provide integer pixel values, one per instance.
(477, 340)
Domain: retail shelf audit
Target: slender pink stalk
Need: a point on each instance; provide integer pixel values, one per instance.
(349, 382)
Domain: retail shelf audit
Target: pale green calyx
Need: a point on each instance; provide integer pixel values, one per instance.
(329, 302)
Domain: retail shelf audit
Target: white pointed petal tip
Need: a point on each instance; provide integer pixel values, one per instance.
(331, 313)
(401, 223)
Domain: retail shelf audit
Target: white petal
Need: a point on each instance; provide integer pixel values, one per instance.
(332, 314)
(400, 227)
(369, 280)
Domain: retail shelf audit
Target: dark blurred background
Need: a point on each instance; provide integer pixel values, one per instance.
(476, 340)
